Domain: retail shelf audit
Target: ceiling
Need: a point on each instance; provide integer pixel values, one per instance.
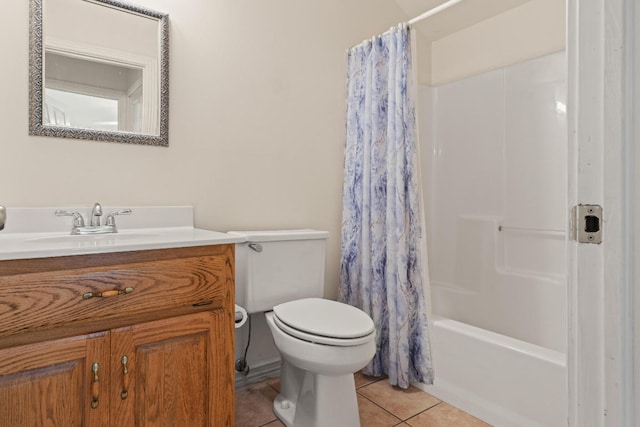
(454, 18)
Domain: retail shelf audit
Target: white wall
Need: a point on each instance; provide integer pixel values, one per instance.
(536, 28)
(256, 119)
(104, 27)
(256, 127)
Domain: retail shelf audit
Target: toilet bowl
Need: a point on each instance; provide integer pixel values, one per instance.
(322, 343)
(316, 371)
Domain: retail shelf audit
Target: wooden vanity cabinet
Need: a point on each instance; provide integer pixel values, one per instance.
(146, 366)
(48, 383)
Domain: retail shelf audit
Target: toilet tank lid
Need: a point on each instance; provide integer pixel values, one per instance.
(281, 235)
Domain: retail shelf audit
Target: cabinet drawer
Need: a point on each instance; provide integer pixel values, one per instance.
(162, 281)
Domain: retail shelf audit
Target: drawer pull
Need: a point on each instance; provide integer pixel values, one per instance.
(202, 303)
(125, 378)
(107, 294)
(95, 387)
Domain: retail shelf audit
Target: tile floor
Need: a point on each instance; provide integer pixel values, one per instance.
(380, 405)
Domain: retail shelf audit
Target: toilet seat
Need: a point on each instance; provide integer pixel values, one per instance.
(324, 322)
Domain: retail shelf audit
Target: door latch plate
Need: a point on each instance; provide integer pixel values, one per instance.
(589, 224)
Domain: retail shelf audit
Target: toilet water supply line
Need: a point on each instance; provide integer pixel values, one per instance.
(241, 363)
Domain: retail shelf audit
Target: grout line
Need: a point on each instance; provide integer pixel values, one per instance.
(375, 380)
(440, 402)
(400, 420)
(426, 410)
(384, 409)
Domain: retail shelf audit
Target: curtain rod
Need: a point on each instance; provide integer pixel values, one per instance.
(427, 14)
(435, 10)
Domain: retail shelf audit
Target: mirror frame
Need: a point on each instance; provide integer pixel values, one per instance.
(36, 79)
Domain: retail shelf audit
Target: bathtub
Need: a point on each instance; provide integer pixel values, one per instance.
(493, 150)
(501, 380)
(498, 336)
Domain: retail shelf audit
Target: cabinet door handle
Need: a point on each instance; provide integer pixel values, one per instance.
(125, 378)
(107, 294)
(95, 387)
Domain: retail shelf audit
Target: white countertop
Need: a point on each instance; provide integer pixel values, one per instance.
(167, 227)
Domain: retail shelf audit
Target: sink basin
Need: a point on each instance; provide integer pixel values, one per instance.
(92, 238)
(39, 233)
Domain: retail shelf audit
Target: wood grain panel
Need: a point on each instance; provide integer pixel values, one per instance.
(48, 384)
(51, 264)
(32, 302)
(180, 366)
(168, 357)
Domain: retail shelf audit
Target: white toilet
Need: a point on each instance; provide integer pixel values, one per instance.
(321, 342)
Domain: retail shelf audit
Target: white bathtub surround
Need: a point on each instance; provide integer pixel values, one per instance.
(493, 293)
(498, 149)
(382, 231)
(495, 160)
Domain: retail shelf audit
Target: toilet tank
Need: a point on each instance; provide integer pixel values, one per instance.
(273, 267)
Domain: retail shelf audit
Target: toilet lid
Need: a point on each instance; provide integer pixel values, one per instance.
(325, 318)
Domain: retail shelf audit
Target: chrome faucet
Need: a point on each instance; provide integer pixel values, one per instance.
(111, 221)
(78, 221)
(94, 226)
(96, 213)
(3, 217)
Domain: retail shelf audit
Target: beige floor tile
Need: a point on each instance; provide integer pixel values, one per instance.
(361, 379)
(254, 405)
(401, 403)
(275, 383)
(371, 415)
(445, 415)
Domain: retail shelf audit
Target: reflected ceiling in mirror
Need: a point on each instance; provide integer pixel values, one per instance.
(99, 71)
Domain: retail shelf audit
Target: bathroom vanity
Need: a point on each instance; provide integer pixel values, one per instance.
(134, 333)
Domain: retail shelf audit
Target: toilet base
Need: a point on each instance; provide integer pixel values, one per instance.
(312, 400)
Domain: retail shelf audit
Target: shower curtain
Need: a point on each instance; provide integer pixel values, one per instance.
(382, 238)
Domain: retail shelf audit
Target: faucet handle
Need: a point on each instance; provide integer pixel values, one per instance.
(111, 221)
(78, 221)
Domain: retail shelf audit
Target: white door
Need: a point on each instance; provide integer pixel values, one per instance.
(601, 299)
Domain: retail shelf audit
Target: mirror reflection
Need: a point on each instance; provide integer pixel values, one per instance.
(92, 95)
(103, 71)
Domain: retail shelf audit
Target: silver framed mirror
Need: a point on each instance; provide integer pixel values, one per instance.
(99, 70)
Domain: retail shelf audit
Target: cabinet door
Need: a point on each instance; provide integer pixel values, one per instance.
(179, 372)
(53, 384)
